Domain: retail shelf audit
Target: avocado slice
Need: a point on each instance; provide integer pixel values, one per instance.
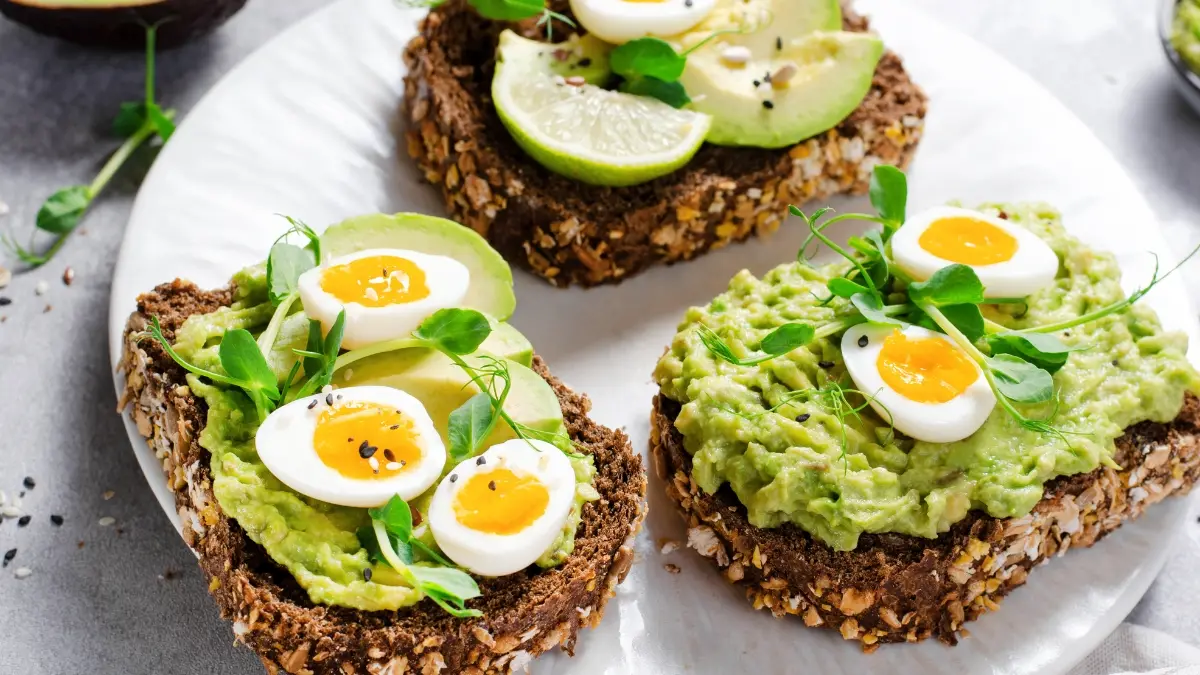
(803, 75)
(491, 290)
(442, 387)
(121, 23)
(508, 342)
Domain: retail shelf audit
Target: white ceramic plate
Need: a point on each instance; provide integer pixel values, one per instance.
(307, 127)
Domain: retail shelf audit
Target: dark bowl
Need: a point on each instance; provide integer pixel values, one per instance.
(122, 26)
(1187, 80)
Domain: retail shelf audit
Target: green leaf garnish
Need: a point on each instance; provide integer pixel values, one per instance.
(285, 264)
(647, 57)
(671, 93)
(469, 425)
(1021, 381)
(951, 285)
(137, 122)
(872, 309)
(844, 288)
(967, 318)
(509, 10)
(457, 331)
(889, 194)
(778, 342)
(1041, 349)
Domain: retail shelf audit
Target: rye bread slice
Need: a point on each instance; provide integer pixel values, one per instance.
(898, 588)
(572, 233)
(524, 614)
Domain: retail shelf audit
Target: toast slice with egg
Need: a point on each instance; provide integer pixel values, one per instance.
(899, 588)
(523, 614)
(572, 233)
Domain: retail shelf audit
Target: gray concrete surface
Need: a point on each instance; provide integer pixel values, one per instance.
(127, 598)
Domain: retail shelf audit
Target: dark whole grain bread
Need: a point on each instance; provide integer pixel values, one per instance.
(524, 614)
(572, 233)
(897, 588)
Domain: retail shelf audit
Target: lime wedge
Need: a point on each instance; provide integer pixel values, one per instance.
(584, 132)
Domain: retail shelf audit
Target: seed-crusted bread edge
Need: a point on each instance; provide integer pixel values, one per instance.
(571, 233)
(896, 588)
(525, 614)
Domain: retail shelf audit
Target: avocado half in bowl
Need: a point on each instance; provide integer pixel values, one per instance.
(1178, 25)
(121, 23)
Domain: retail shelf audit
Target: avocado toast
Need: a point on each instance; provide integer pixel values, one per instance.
(316, 587)
(572, 232)
(887, 448)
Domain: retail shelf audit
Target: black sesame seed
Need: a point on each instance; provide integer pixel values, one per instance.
(1116, 363)
(779, 43)
(453, 477)
(339, 397)
(825, 364)
(4, 302)
(388, 455)
(9, 555)
(312, 404)
(350, 440)
(394, 427)
(481, 461)
(585, 62)
(29, 482)
(687, 3)
(366, 450)
(492, 485)
(757, 83)
(367, 574)
(328, 399)
(862, 341)
(24, 520)
(803, 418)
(769, 105)
(56, 519)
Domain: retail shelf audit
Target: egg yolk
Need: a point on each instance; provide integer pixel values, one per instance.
(500, 502)
(968, 241)
(377, 281)
(925, 370)
(365, 440)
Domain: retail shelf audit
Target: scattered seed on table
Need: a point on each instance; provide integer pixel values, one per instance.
(106, 521)
(4, 302)
(22, 572)
(24, 520)
(9, 555)
(41, 287)
(10, 511)
(68, 276)
(56, 519)
(5, 277)
(3, 498)
(108, 494)
(29, 483)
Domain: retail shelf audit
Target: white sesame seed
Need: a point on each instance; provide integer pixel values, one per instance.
(392, 466)
(560, 80)
(576, 81)
(41, 288)
(371, 294)
(22, 572)
(669, 547)
(374, 463)
(736, 55)
(699, 98)
(3, 498)
(106, 521)
(349, 374)
(754, 193)
(10, 512)
(780, 78)
(5, 277)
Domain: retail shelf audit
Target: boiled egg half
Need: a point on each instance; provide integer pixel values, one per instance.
(497, 513)
(1012, 262)
(619, 21)
(356, 446)
(386, 293)
(918, 380)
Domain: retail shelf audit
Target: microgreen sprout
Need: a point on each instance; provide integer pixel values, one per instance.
(390, 540)
(285, 263)
(60, 214)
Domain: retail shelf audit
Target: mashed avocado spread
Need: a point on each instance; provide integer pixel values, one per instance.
(314, 540)
(1185, 33)
(785, 461)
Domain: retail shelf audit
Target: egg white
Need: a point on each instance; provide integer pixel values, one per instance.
(1031, 268)
(618, 21)
(946, 422)
(493, 555)
(285, 445)
(447, 278)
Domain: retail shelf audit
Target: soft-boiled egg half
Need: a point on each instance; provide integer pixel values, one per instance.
(386, 293)
(619, 21)
(1012, 262)
(918, 380)
(497, 513)
(356, 446)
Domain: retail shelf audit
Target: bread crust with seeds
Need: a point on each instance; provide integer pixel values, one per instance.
(572, 233)
(524, 614)
(900, 588)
